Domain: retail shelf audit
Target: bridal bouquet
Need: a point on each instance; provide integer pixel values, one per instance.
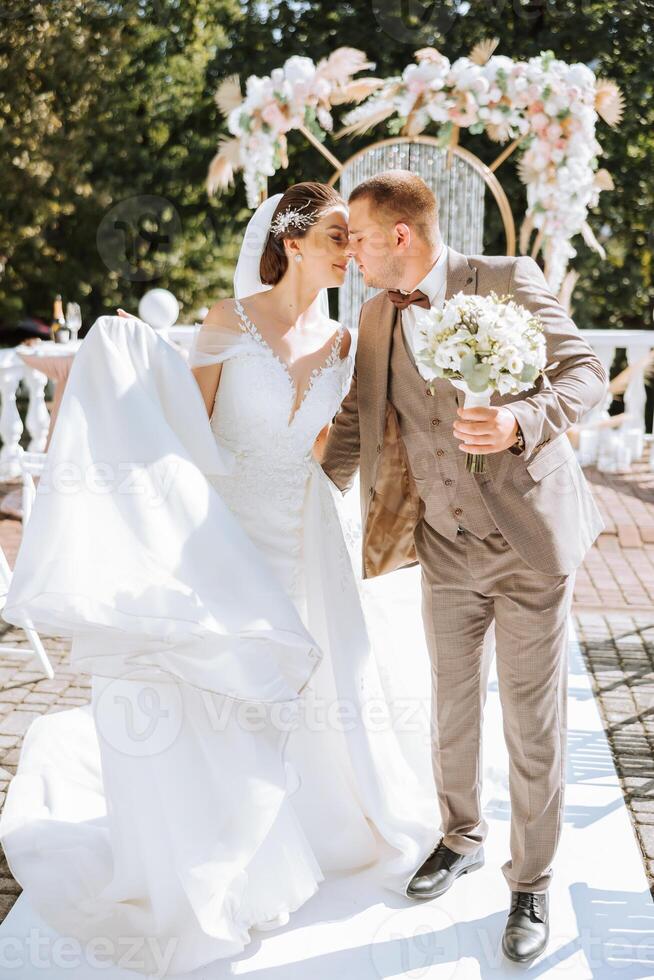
(482, 344)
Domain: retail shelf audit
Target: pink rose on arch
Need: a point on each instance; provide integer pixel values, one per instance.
(415, 87)
(464, 115)
(539, 122)
(272, 115)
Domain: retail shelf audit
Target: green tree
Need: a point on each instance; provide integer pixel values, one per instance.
(107, 124)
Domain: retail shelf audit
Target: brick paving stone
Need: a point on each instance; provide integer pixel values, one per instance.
(8, 886)
(10, 757)
(646, 834)
(18, 722)
(15, 694)
(55, 685)
(79, 691)
(6, 903)
(40, 697)
(629, 536)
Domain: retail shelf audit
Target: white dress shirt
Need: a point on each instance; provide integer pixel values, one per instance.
(433, 285)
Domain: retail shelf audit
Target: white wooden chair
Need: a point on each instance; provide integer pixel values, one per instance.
(31, 466)
(34, 640)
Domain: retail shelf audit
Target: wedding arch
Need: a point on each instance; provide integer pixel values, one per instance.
(544, 110)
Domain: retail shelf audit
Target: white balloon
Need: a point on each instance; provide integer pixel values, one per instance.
(159, 308)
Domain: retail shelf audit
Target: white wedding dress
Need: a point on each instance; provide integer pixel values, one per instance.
(240, 742)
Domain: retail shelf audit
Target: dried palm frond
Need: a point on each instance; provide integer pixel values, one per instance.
(342, 64)
(526, 173)
(228, 94)
(366, 123)
(609, 101)
(481, 52)
(428, 54)
(588, 236)
(604, 180)
(356, 91)
(499, 132)
(525, 233)
(221, 169)
(536, 247)
(282, 142)
(415, 122)
(567, 289)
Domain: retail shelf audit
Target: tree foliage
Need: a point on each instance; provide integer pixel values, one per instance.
(108, 104)
(107, 125)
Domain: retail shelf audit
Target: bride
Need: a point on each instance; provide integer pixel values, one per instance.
(229, 759)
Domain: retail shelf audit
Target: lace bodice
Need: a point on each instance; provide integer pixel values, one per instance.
(254, 412)
(256, 419)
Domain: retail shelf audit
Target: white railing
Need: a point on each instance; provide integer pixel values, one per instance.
(638, 344)
(13, 370)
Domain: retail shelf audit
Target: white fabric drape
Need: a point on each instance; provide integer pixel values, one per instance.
(129, 549)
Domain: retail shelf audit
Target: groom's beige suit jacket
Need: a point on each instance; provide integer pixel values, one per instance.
(538, 499)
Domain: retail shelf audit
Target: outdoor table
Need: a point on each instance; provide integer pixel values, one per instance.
(54, 361)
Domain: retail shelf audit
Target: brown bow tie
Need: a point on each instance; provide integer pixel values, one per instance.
(402, 300)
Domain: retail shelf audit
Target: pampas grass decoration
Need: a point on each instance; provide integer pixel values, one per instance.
(609, 101)
(228, 94)
(223, 165)
(482, 52)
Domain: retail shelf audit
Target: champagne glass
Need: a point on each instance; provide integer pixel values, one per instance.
(73, 319)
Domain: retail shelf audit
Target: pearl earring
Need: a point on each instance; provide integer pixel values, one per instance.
(298, 257)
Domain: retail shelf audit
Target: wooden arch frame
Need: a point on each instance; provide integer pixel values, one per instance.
(487, 175)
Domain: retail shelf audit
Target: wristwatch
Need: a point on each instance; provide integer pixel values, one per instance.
(519, 446)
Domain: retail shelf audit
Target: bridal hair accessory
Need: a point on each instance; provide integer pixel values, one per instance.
(247, 278)
(291, 217)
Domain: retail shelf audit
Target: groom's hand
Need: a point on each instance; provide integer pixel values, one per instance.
(486, 430)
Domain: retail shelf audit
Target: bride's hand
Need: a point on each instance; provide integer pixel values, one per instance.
(129, 316)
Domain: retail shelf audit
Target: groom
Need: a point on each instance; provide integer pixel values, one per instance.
(503, 544)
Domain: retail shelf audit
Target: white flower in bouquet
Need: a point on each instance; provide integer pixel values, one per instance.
(299, 70)
(483, 345)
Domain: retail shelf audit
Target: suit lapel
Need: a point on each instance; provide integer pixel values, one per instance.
(384, 336)
(461, 277)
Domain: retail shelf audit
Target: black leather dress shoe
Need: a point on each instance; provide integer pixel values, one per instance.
(527, 929)
(440, 871)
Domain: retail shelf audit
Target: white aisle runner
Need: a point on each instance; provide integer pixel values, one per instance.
(602, 915)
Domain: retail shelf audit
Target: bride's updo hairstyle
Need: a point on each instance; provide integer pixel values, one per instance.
(301, 207)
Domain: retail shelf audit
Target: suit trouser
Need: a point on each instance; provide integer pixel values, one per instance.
(465, 584)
